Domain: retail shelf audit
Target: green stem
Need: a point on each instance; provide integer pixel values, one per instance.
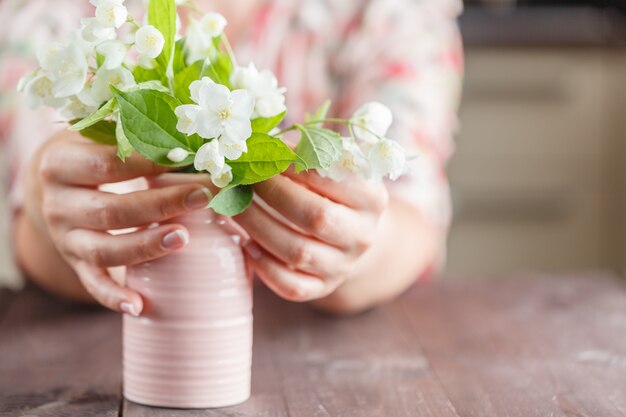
(132, 21)
(345, 122)
(229, 49)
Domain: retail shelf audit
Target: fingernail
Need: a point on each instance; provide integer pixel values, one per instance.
(198, 199)
(129, 308)
(175, 240)
(253, 250)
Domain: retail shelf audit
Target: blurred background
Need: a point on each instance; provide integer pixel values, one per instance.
(539, 177)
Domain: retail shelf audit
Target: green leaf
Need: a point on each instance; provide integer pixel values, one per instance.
(319, 148)
(220, 69)
(142, 74)
(183, 80)
(162, 15)
(149, 85)
(264, 125)
(149, 123)
(104, 111)
(124, 148)
(232, 201)
(320, 114)
(179, 64)
(101, 132)
(267, 157)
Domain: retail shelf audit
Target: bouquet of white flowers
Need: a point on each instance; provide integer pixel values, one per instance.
(183, 102)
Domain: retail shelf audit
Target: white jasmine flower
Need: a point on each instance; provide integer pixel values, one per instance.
(177, 155)
(187, 117)
(86, 97)
(219, 113)
(213, 24)
(37, 89)
(200, 34)
(370, 120)
(208, 158)
(269, 98)
(111, 13)
(387, 158)
(223, 178)
(66, 66)
(114, 53)
(225, 113)
(75, 108)
(120, 77)
(195, 86)
(352, 162)
(232, 150)
(149, 41)
(197, 44)
(93, 31)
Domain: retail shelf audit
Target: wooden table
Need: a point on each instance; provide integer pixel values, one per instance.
(534, 346)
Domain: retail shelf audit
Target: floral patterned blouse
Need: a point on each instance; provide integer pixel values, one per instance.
(406, 54)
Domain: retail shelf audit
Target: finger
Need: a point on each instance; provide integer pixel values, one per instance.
(354, 191)
(226, 223)
(91, 209)
(238, 233)
(297, 251)
(83, 163)
(106, 291)
(288, 284)
(315, 215)
(105, 250)
(171, 179)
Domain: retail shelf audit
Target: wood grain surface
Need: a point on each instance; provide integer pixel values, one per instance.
(532, 346)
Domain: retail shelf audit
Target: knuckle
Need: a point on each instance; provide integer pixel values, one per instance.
(295, 294)
(95, 254)
(103, 166)
(319, 219)
(107, 215)
(363, 242)
(47, 169)
(148, 248)
(300, 255)
(168, 208)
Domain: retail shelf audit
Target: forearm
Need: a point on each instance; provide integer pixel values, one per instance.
(42, 263)
(405, 247)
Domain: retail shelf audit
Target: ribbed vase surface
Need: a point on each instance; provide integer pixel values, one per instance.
(192, 346)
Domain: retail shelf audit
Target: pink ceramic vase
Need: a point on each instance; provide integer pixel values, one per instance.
(192, 346)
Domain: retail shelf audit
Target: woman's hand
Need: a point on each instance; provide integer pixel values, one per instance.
(64, 201)
(328, 228)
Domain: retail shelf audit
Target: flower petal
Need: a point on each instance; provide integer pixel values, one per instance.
(195, 86)
(243, 104)
(187, 118)
(208, 158)
(237, 130)
(222, 178)
(233, 151)
(214, 97)
(209, 125)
